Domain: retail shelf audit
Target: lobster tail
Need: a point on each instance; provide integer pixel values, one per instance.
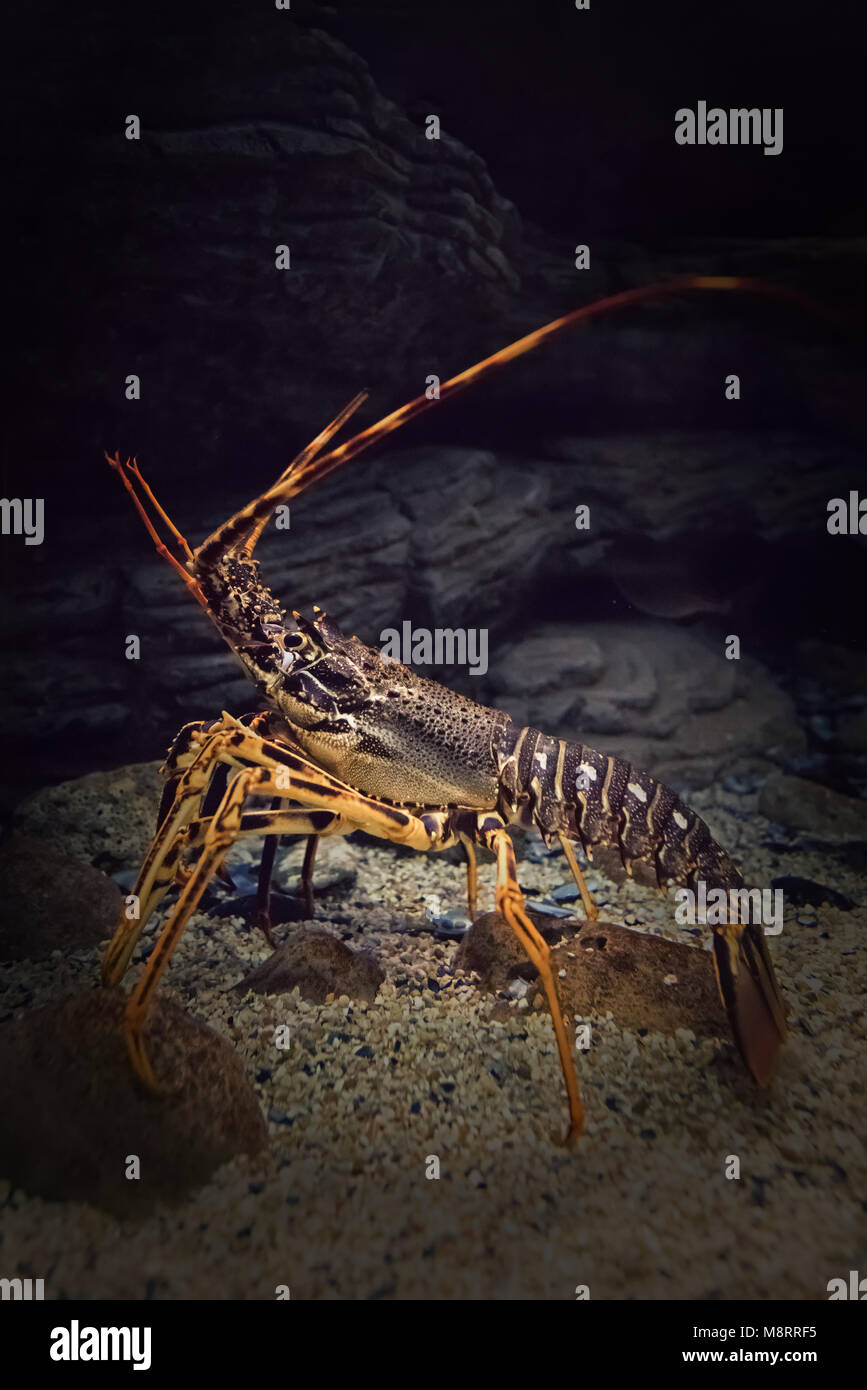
(628, 820)
(752, 999)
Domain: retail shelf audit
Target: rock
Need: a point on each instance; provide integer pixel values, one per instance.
(492, 950)
(652, 495)
(377, 545)
(282, 909)
(50, 902)
(402, 262)
(561, 655)
(472, 560)
(405, 260)
(548, 909)
(449, 926)
(387, 232)
(319, 965)
(61, 698)
(645, 981)
(813, 810)
(106, 818)
(73, 1112)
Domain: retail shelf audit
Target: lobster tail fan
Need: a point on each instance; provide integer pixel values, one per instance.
(749, 991)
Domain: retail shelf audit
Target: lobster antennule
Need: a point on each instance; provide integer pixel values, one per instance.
(241, 533)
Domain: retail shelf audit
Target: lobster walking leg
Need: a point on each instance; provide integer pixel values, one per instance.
(271, 769)
(266, 871)
(160, 868)
(306, 885)
(228, 825)
(591, 911)
(510, 904)
(337, 809)
(221, 833)
(472, 877)
(238, 746)
(263, 885)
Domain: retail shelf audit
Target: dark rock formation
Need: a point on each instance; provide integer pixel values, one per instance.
(406, 260)
(379, 546)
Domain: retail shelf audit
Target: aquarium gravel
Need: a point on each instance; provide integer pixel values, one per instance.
(414, 1141)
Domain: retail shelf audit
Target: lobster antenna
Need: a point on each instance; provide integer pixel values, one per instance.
(314, 468)
(310, 452)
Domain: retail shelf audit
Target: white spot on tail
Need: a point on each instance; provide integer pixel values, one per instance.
(588, 771)
(680, 820)
(637, 791)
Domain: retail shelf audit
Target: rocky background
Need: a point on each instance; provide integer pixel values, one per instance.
(412, 256)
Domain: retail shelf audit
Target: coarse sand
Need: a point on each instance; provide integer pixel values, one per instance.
(414, 1141)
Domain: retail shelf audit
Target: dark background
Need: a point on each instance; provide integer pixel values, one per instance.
(410, 256)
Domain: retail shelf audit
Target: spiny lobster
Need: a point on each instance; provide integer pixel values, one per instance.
(352, 741)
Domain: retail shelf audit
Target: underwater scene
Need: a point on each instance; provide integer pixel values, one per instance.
(434, 791)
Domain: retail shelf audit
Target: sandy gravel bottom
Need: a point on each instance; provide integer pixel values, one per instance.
(370, 1100)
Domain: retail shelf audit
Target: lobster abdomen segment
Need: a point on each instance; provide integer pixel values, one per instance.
(604, 803)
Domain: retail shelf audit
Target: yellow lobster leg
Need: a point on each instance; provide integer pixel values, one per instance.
(334, 809)
(510, 905)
